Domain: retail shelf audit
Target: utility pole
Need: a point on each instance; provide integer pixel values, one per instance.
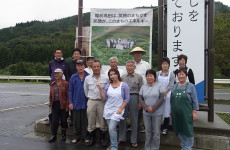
(80, 23)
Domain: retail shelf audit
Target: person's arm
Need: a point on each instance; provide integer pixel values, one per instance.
(50, 70)
(159, 102)
(103, 93)
(142, 102)
(50, 96)
(171, 81)
(123, 105)
(126, 92)
(67, 96)
(86, 87)
(71, 94)
(191, 76)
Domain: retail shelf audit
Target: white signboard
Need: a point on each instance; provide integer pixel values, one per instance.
(185, 35)
(115, 32)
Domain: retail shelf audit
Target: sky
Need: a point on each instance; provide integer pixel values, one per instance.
(17, 11)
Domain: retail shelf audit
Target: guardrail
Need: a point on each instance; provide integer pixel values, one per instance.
(37, 78)
(47, 78)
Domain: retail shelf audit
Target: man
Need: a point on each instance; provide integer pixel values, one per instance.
(72, 70)
(72, 64)
(78, 102)
(113, 63)
(134, 81)
(58, 101)
(141, 68)
(141, 65)
(58, 62)
(95, 104)
(89, 61)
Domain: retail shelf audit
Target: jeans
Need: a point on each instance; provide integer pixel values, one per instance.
(152, 131)
(112, 124)
(131, 109)
(186, 143)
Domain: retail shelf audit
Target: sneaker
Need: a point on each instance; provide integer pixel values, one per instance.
(142, 129)
(165, 132)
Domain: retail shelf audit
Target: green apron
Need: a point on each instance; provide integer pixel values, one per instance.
(182, 110)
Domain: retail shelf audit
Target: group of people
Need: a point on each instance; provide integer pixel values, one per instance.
(110, 98)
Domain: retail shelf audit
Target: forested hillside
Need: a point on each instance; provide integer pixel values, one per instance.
(27, 48)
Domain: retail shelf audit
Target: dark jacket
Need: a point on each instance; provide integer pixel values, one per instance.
(54, 64)
(63, 94)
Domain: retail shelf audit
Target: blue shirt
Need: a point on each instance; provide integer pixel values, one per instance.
(76, 92)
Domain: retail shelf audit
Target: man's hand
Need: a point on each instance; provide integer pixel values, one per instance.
(71, 106)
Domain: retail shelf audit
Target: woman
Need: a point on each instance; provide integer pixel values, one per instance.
(166, 79)
(151, 98)
(184, 109)
(117, 95)
(58, 101)
(182, 61)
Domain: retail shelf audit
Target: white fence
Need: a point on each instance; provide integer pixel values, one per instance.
(47, 78)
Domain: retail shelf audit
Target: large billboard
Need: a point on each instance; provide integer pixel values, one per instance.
(115, 32)
(185, 35)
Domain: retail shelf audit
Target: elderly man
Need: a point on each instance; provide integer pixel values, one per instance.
(141, 68)
(58, 101)
(113, 63)
(78, 102)
(95, 104)
(134, 81)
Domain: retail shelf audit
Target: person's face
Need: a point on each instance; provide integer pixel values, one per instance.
(58, 54)
(80, 68)
(58, 76)
(113, 64)
(90, 61)
(165, 66)
(182, 63)
(181, 77)
(113, 76)
(150, 78)
(76, 55)
(130, 67)
(96, 66)
(137, 55)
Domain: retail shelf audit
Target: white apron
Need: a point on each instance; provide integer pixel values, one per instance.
(164, 81)
(113, 103)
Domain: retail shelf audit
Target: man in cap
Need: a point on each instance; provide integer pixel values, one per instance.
(78, 102)
(58, 101)
(89, 61)
(141, 65)
(141, 68)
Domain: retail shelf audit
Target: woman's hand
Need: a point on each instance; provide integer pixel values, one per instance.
(194, 115)
(150, 109)
(98, 86)
(119, 111)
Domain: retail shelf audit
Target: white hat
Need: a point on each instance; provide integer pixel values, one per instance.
(137, 49)
(58, 70)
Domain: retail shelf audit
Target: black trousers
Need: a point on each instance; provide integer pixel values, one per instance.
(80, 123)
(58, 115)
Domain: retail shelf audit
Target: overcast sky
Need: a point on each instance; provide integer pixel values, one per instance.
(17, 11)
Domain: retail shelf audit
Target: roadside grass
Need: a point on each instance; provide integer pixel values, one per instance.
(221, 86)
(225, 117)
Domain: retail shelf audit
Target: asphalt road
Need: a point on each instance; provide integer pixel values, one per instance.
(23, 104)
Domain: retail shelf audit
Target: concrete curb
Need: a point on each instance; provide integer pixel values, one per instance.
(207, 140)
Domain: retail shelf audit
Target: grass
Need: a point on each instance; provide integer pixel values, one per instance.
(221, 86)
(225, 117)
